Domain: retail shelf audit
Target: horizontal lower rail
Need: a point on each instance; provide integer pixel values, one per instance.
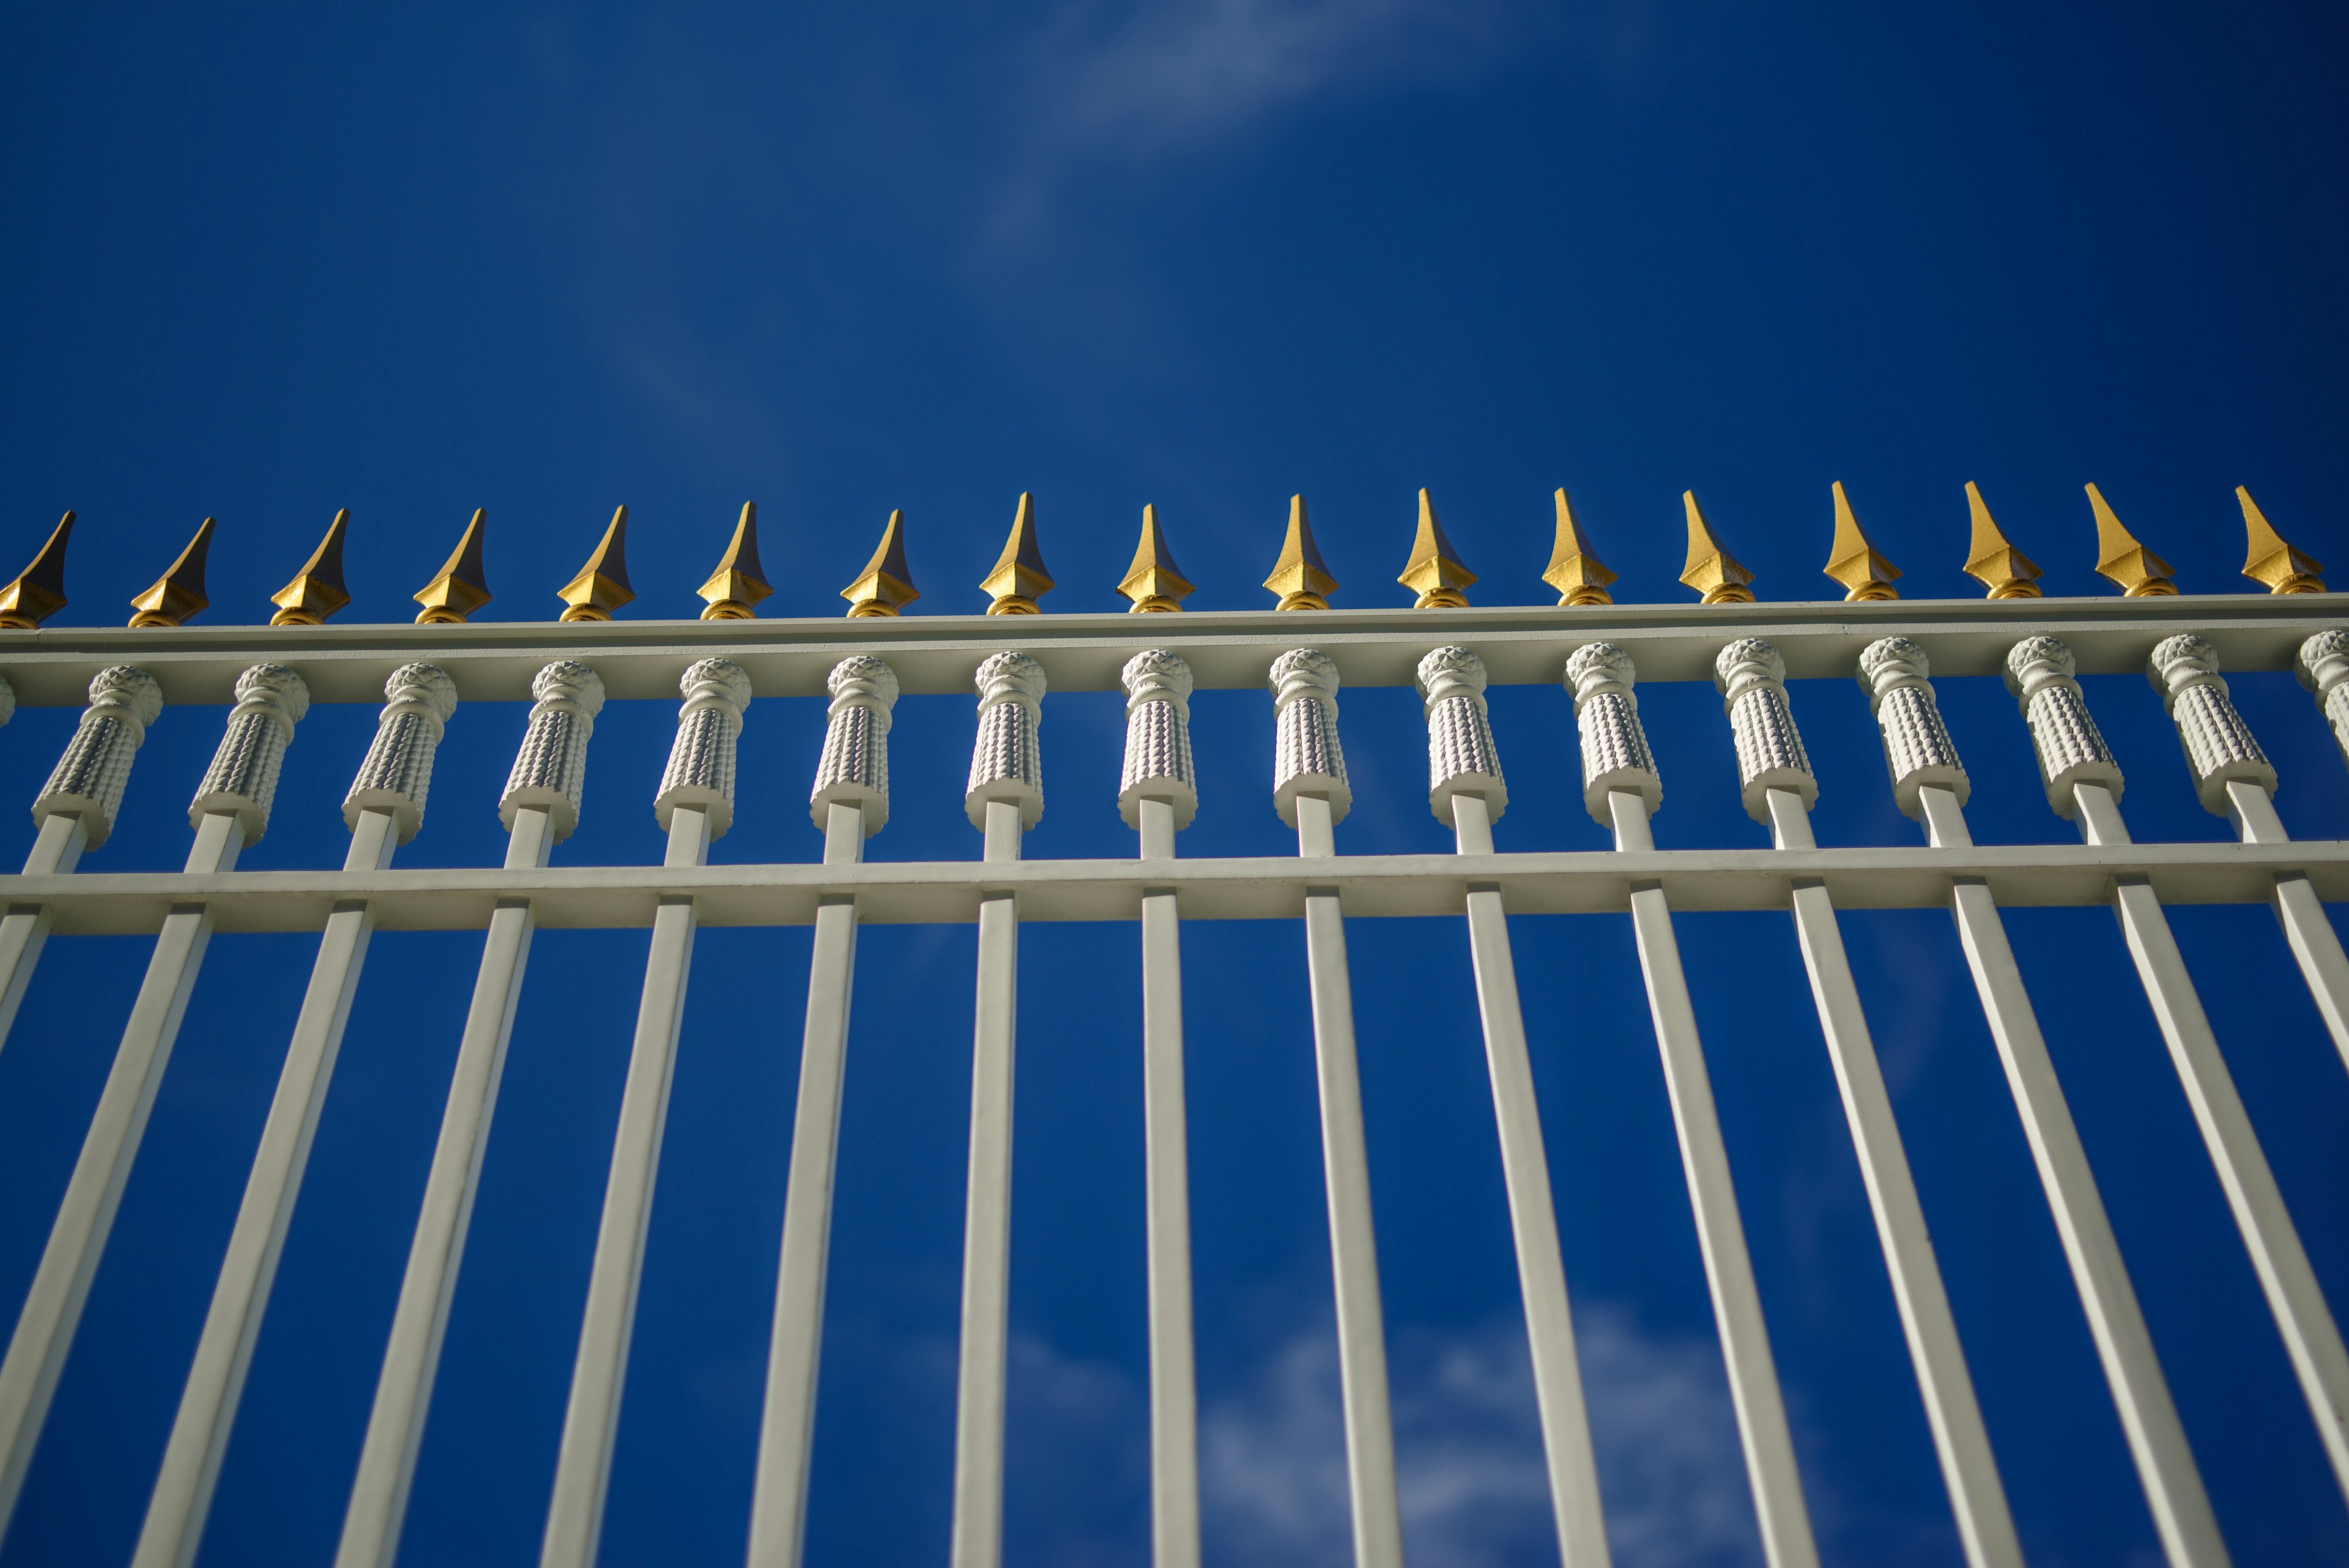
(915, 892)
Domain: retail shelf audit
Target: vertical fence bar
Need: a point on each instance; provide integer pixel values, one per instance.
(540, 808)
(850, 802)
(2039, 671)
(75, 812)
(1005, 798)
(1158, 795)
(694, 805)
(1466, 791)
(1312, 795)
(1930, 784)
(384, 809)
(1620, 788)
(1778, 788)
(231, 808)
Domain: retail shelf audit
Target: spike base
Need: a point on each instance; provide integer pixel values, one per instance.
(294, 618)
(2298, 583)
(585, 612)
(1301, 600)
(1013, 604)
(1441, 599)
(1866, 593)
(863, 608)
(2019, 588)
(2151, 588)
(1581, 596)
(728, 609)
(1728, 593)
(1155, 604)
(154, 617)
(440, 615)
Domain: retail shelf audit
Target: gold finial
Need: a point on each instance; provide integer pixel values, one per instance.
(2140, 573)
(885, 586)
(179, 592)
(602, 585)
(1017, 578)
(1581, 576)
(39, 590)
(461, 586)
(1434, 570)
(1299, 577)
(317, 590)
(1854, 561)
(1154, 584)
(1712, 570)
(739, 582)
(2005, 570)
(2271, 563)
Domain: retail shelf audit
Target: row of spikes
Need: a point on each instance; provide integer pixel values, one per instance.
(1153, 583)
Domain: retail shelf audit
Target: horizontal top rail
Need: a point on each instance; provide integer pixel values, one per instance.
(493, 661)
(925, 891)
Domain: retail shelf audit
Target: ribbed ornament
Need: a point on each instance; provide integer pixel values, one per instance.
(1918, 750)
(91, 776)
(700, 771)
(1006, 764)
(397, 776)
(2220, 747)
(1157, 737)
(2324, 669)
(854, 767)
(1461, 756)
(1751, 677)
(550, 771)
(2071, 749)
(1306, 756)
(243, 779)
(1615, 754)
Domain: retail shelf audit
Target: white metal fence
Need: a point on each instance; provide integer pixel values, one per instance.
(1598, 653)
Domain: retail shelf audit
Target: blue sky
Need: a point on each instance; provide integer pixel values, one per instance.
(273, 261)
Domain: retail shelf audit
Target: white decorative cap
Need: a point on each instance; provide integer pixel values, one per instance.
(854, 767)
(2040, 671)
(1615, 755)
(700, 770)
(242, 780)
(2323, 668)
(549, 771)
(1462, 758)
(397, 773)
(1918, 751)
(1751, 677)
(1157, 737)
(2220, 747)
(91, 776)
(1006, 762)
(1306, 756)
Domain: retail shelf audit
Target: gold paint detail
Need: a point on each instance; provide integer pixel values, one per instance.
(39, 590)
(2119, 556)
(1992, 560)
(1434, 569)
(317, 590)
(1712, 570)
(602, 585)
(885, 586)
(2271, 563)
(1579, 575)
(1154, 584)
(1854, 560)
(179, 593)
(1299, 577)
(461, 585)
(738, 585)
(1017, 579)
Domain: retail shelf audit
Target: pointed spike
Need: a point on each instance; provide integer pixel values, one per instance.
(1993, 559)
(1434, 569)
(2272, 563)
(179, 593)
(602, 585)
(39, 590)
(1579, 575)
(1854, 560)
(1299, 576)
(317, 590)
(1017, 579)
(2122, 558)
(885, 586)
(461, 585)
(1712, 570)
(739, 582)
(1154, 584)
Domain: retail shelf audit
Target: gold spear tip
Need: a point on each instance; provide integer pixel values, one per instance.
(39, 590)
(2271, 563)
(739, 582)
(885, 586)
(1434, 569)
(317, 590)
(602, 585)
(179, 593)
(2140, 573)
(1299, 577)
(1854, 560)
(1712, 570)
(461, 586)
(1154, 584)
(1576, 573)
(1992, 560)
(1017, 579)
